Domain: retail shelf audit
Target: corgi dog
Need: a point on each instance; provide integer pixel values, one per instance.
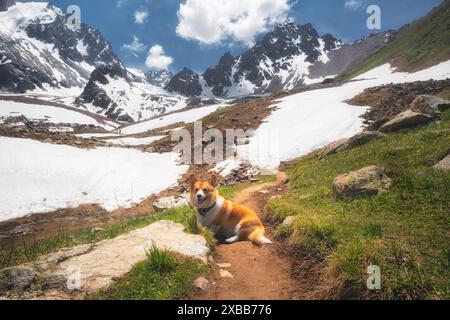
(227, 220)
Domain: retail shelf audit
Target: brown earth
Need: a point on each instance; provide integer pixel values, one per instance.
(259, 273)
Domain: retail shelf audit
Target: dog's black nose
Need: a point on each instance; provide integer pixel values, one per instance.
(199, 197)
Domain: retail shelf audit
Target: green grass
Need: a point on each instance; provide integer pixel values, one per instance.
(23, 253)
(405, 231)
(420, 45)
(163, 276)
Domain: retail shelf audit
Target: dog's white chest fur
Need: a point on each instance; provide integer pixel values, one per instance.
(207, 221)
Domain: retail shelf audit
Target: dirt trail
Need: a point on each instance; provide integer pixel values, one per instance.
(259, 273)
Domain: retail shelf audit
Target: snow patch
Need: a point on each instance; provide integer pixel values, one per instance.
(38, 177)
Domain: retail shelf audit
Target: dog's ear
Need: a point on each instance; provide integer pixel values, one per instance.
(192, 180)
(213, 180)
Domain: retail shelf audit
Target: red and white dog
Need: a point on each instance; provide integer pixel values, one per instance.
(227, 220)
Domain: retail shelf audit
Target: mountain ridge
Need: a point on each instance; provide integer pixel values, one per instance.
(288, 57)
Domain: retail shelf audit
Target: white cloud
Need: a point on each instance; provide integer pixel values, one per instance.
(135, 47)
(157, 59)
(353, 4)
(140, 16)
(237, 20)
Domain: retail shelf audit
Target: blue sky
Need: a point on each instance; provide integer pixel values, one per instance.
(214, 28)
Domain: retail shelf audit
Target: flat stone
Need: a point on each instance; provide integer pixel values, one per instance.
(116, 257)
(407, 119)
(331, 148)
(368, 181)
(66, 253)
(201, 283)
(224, 265)
(360, 139)
(74, 272)
(444, 164)
(226, 274)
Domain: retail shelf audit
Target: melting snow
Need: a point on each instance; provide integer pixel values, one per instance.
(164, 121)
(38, 177)
(44, 113)
(310, 120)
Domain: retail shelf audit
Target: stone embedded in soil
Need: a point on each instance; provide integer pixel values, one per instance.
(360, 139)
(201, 283)
(224, 265)
(430, 105)
(226, 274)
(404, 120)
(368, 181)
(289, 221)
(444, 164)
(95, 266)
(331, 148)
(18, 278)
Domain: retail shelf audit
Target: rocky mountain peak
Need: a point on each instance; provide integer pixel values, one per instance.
(186, 82)
(6, 4)
(159, 78)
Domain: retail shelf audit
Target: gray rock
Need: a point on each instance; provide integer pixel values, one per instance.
(368, 181)
(331, 148)
(201, 283)
(171, 202)
(66, 253)
(431, 105)
(18, 278)
(360, 139)
(407, 119)
(444, 164)
(288, 222)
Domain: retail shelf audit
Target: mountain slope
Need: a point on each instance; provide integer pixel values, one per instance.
(419, 45)
(39, 51)
(111, 92)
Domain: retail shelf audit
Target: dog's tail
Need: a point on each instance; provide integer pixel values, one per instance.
(259, 238)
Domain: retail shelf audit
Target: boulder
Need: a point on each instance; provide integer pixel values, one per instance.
(66, 253)
(201, 283)
(75, 272)
(407, 119)
(360, 139)
(368, 181)
(288, 222)
(331, 148)
(17, 278)
(431, 105)
(444, 164)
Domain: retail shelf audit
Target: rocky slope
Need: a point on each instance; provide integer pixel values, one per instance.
(126, 97)
(39, 50)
